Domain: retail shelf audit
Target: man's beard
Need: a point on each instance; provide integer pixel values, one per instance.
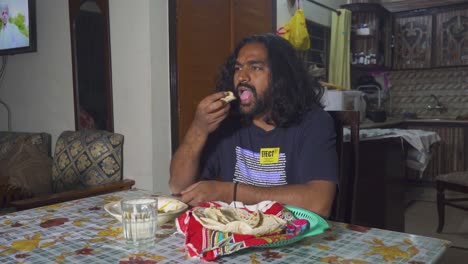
(260, 106)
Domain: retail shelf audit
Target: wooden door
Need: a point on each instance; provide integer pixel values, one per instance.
(251, 17)
(205, 33)
(452, 38)
(203, 42)
(413, 42)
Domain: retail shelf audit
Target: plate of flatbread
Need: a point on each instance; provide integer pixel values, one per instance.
(239, 221)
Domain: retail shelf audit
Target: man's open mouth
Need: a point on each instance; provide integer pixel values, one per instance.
(245, 94)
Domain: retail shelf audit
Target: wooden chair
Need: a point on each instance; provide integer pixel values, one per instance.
(455, 181)
(348, 157)
(86, 163)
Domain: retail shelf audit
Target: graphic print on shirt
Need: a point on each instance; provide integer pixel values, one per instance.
(249, 170)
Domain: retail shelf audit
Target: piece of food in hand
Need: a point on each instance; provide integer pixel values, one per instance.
(230, 97)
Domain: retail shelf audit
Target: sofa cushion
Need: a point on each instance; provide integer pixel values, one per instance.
(86, 158)
(27, 168)
(39, 140)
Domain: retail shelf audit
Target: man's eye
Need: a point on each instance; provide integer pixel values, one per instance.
(256, 68)
(237, 68)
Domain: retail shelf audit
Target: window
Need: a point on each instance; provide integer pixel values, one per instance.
(318, 53)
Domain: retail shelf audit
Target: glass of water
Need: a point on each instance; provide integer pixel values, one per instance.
(140, 220)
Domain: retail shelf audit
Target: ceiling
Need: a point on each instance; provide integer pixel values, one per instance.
(405, 5)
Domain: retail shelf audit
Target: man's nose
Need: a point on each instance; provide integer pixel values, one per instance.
(243, 75)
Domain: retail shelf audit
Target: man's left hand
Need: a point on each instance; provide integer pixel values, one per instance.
(206, 191)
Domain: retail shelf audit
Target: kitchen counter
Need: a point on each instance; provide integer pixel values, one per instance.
(388, 123)
(399, 122)
(383, 177)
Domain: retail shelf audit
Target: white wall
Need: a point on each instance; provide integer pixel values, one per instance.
(160, 108)
(39, 88)
(312, 11)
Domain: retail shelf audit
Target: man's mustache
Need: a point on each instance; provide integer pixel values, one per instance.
(244, 84)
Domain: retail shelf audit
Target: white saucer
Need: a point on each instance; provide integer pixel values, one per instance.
(168, 208)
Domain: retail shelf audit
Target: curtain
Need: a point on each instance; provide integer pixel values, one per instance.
(339, 72)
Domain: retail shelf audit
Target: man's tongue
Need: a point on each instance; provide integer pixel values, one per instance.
(246, 96)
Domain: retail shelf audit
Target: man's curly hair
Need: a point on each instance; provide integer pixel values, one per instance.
(293, 92)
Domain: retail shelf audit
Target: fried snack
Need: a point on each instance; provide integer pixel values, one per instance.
(229, 98)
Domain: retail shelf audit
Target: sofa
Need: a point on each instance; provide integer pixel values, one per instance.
(85, 163)
(25, 166)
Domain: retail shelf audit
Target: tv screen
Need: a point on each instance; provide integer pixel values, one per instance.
(17, 27)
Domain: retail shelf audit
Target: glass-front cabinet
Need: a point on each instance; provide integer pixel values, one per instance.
(370, 36)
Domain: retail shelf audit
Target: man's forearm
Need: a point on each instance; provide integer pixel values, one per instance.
(315, 196)
(185, 162)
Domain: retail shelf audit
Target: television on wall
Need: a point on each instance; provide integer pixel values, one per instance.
(17, 26)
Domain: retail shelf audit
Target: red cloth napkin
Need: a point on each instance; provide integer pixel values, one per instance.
(209, 244)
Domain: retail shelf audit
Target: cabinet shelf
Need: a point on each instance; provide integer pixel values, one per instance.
(356, 36)
(378, 21)
(369, 67)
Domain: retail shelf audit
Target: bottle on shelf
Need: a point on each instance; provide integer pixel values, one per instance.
(361, 58)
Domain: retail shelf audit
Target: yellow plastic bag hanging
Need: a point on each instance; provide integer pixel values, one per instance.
(295, 31)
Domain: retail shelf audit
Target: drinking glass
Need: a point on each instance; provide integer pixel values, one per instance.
(140, 220)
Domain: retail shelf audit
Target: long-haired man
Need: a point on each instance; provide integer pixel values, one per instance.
(275, 142)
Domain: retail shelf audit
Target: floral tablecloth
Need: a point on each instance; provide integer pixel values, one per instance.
(81, 231)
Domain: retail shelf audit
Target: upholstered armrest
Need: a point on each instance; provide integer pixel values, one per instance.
(72, 195)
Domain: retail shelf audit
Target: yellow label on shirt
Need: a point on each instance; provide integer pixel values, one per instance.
(269, 155)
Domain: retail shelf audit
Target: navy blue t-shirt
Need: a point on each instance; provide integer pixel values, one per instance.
(293, 155)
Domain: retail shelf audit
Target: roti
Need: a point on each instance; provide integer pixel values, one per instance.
(229, 98)
(236, 220)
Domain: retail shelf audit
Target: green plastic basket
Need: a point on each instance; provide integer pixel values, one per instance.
(317, 226)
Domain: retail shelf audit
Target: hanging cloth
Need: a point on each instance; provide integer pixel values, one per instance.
(339, 68)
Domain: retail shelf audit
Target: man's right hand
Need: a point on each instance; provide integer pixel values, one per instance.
(210, 112)
(208, 116)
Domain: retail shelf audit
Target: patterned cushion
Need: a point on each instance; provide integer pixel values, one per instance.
(86, 158)
(27, 168)
(8, 139)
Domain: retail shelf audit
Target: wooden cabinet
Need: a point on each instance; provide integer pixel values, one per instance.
(370, 37)
(452, 38)
(432, 37)
(412, 42)
(380, 189)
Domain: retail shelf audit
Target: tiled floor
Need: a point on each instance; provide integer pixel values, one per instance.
(421, 219)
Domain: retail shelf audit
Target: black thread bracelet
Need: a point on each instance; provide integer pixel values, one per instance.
(234, 195)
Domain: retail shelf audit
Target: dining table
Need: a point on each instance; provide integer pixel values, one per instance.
(81, 231)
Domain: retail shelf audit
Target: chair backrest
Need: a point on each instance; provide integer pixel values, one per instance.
(87, 158)
(348, 157)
